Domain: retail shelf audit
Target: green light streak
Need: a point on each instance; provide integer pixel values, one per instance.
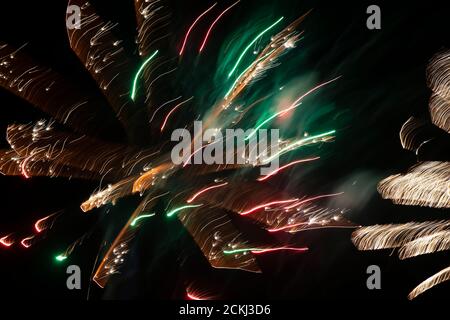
(299, 143)
(143, 216)
(265, 122)
(171, 213)
(240, 250)
(250, 45)
(134, 89)
(262, 124)
(60, 258)
(242, 74)
(237, 79)
(295, 105)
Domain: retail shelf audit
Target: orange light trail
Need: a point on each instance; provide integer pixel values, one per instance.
(267, 205)
(205, 190)
(192, 26)
(286, 166)
(214, 23)
(288, 227)
(24, 169)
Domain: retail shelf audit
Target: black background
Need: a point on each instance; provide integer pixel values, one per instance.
(383, 84)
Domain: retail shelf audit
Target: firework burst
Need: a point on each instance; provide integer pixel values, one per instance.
(140, 87)
(425, 184)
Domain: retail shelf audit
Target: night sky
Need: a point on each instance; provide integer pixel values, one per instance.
(383, 83)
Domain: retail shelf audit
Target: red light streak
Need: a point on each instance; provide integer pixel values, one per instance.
(172, 111)
(286, 166)
(279, 249)
(205, 190)
(213, 24)
(4, 241)
(266, 205)
(192, 26)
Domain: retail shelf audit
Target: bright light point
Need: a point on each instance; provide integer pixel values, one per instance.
(289, 44)
(60, 258)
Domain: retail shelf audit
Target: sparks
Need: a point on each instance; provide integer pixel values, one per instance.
(143, 216)
(205, 190)
(288, 227)
(267, 205)
(192, 26)
(251, 44)
(244, 72)
(299, 143)
(312, 199)
(174, 211)
(286, 166)
(138, 74)
(441, 276)
(214, 23)
(138, 164)
(261, 251)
